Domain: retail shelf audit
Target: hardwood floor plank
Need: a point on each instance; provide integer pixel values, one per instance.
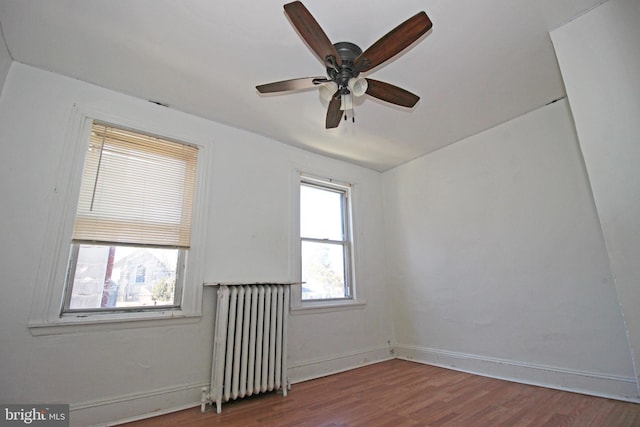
(401, 393)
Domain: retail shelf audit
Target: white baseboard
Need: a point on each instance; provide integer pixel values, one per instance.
(316, 368)
(135, 406)
(591, 383)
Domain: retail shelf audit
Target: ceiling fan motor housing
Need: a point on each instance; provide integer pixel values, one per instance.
(348, 52)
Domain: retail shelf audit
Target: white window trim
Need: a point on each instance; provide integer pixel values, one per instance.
(297, 304)
(45, 317)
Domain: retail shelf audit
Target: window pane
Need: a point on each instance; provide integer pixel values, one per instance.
(123, 276)
(323, 271)
(321, 213)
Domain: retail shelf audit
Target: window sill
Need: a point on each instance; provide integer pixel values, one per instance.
(319, 307)
(91, 322)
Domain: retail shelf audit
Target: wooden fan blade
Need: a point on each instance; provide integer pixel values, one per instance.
(334, 113)
(390, 93)
(293, 84)
(394, 42)
(311, 31)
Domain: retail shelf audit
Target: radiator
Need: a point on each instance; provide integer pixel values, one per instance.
(250, 343)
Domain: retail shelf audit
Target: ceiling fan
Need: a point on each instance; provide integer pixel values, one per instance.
(345, 61)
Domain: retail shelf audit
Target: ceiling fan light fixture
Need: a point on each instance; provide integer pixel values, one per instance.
(358, 86)
(347, 102)
(328, 90)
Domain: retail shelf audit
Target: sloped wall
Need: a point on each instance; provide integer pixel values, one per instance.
(599, 56)
(5, 61)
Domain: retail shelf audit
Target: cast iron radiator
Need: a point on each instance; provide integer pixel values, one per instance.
(250, 342)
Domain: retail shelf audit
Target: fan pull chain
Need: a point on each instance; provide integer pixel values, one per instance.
(353, 115)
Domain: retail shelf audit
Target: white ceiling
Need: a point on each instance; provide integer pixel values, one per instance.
(483, 63)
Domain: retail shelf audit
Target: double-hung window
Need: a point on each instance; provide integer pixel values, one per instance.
(325, 240)
(132, 229)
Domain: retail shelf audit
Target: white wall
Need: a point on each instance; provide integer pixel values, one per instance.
(5, 60)
(497, 262)
(599, 55)
(108, 373)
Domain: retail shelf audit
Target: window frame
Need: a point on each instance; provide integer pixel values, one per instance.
(45, 317)
(137, 143)
(345, 192)
(354, 300)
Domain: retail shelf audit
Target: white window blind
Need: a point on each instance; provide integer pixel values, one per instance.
(136, 189)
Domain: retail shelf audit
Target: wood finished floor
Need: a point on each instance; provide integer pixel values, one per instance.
(402, 393)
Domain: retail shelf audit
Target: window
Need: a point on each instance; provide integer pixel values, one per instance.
(132, 228)
(325, 240)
